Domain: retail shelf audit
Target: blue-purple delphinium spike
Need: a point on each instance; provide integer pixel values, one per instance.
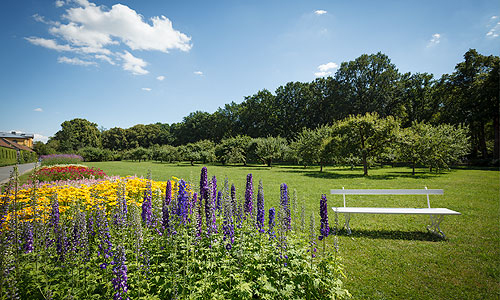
(147, 209)
(120, 275)
(204, 184)
(105, 245)
(260, 208)
(182, 202)
(28, 238)
(168, 193)
(272, 223)
(218, 205)
(234, 205)
(323, 212)
(213, 197)
(285, 203)
(199, 216)
(249, 195)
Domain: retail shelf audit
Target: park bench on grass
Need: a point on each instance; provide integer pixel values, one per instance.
(436, 214)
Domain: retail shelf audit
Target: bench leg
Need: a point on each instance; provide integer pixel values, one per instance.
(347, 219)
(434, 227)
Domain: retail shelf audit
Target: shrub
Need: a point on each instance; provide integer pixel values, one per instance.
(60, 159)
(96, 154)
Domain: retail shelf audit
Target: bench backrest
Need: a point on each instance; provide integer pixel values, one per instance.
(389, 192)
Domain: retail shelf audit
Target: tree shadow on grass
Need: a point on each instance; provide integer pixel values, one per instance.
(393, 235)
(387, 176)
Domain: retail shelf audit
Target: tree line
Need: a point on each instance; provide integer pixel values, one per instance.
(468, 98)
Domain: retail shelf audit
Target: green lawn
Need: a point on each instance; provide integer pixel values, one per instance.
(386, 257)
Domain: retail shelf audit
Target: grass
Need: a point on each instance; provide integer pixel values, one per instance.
(386, 257)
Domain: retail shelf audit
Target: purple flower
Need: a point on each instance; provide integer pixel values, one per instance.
(204, 184)
(233, 199)
(285, 204)
(272, 223)
(213, 220)
(260, 208)
(182, 202)
(218, 205)
(120, 272)
(104, 237)
(147, 209)
(199, 216)
(248, 195)
(28, 238)
(323, 212)
(168, 193)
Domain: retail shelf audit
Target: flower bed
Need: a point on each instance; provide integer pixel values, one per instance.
(134, 238)
(67, 172)
(60, 159)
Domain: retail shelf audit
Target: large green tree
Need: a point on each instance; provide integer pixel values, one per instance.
(369, 84)
(367, 136)
(76, 134)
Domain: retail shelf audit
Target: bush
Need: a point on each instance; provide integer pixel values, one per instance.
(96, 154)
(60, 159)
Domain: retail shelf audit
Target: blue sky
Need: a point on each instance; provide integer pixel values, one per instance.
(139, 62)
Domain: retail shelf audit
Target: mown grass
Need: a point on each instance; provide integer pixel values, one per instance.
(386, 257)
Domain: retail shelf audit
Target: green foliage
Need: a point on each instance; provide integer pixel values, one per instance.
(165, 153)
(76, 134)
(311, 146)
(270, 148)
(233, 150)
(367, 136)
(7, 156)
(96, 154)
(139, 153)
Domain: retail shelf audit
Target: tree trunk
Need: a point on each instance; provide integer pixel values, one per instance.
(482, 141)
(321, 167)
(365, 165)
(496, 146)
(192, 163)
(413, 170)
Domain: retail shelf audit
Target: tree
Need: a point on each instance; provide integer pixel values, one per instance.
(367, 136)
(114, 139)
(165, 153)
(416, 93)
(448, 144)
(369, 84)
(270, 148)
(310, 146)
(233, 150)
(471, 96)
(76, 134)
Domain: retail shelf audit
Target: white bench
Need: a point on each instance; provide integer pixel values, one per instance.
(436, 214)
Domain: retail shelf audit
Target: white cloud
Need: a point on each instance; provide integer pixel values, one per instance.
(322, 74)
(74, 61)
(96, 29)
(146, 89)
(494, 27)
(134, 64)
(50, 44)
(325, 69)
(160, 78)
(436, 39)
(327, 66)
(198, 73)
(320, 12)
(38, 109)
(39, 137)
(105, 58)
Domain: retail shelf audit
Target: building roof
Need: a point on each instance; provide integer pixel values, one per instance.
(13, 145)
(15, 135)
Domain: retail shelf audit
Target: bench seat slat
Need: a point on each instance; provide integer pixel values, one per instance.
(388, 210)
(388, 192)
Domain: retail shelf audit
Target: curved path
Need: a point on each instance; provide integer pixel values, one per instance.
(5, 171)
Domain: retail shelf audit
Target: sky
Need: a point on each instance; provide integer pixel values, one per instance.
(121, 63)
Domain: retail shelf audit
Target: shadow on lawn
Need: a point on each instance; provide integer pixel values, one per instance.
(388, 176)
(393, 235)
